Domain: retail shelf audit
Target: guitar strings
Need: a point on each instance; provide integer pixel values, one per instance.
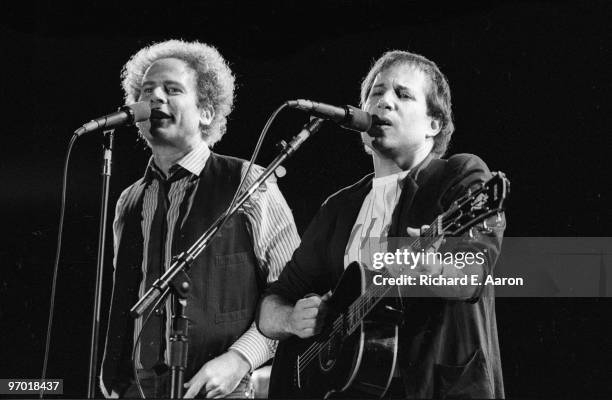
(315, 349)
(309, 355)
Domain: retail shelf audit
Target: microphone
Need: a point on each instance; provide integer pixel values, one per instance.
(348, 117)
(125, 115)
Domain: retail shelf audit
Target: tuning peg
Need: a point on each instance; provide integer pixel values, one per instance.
(485, 227)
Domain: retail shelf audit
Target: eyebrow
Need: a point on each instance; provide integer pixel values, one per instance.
(166, 82)
(397, 86)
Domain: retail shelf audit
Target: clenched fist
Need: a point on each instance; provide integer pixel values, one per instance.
(308, 315)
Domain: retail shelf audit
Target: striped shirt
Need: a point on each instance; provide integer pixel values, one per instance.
(271, 227)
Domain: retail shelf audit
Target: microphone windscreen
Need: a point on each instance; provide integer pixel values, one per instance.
(142, 111)
(359, 120)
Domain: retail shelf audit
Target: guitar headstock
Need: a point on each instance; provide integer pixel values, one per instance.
(479, 203)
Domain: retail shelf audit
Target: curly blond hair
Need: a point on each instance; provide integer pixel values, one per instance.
(214, 79)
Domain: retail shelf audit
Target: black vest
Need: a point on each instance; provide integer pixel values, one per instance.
(226, 281)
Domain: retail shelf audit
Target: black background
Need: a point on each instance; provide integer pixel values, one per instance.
(529, 83)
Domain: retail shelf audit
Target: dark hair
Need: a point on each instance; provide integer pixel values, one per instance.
(438, 95)
(215, 81)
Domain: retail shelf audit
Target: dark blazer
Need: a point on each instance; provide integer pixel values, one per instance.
(448, 348)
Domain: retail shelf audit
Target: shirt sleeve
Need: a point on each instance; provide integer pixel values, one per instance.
(275, 237)
(272, 227)
(256, 348)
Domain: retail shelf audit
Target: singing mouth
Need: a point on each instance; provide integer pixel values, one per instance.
(159, 115)
(378, 124)
(381, 121)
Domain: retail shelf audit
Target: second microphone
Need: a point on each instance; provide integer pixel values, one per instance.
(348, 117)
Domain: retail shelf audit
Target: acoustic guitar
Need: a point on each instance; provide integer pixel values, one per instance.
(355, 354)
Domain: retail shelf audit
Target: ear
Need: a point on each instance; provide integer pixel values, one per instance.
(207, 114)
(435, 127)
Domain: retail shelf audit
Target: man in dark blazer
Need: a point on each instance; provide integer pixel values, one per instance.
(448, 344)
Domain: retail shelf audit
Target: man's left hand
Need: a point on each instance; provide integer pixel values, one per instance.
(218, 377)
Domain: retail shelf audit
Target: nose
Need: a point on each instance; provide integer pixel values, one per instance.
(158, 96)
(384, 102)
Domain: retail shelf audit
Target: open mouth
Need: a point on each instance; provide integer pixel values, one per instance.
(381, 121)
(378, 123)
(159, 115)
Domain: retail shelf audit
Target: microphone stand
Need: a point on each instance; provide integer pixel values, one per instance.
(176, 277)
(95, 328)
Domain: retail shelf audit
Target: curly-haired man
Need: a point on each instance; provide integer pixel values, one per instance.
(185, 188)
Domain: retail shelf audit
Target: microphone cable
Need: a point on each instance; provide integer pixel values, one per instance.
(262, 135)
(57, 259)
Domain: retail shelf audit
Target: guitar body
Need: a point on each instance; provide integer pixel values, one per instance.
(338, 362)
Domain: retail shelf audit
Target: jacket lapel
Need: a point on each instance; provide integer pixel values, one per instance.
(347, 215)
(399, 219)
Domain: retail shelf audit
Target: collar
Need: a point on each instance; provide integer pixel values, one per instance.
(383, 180)
(415, 171)
(193, 162)
(360, 189)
